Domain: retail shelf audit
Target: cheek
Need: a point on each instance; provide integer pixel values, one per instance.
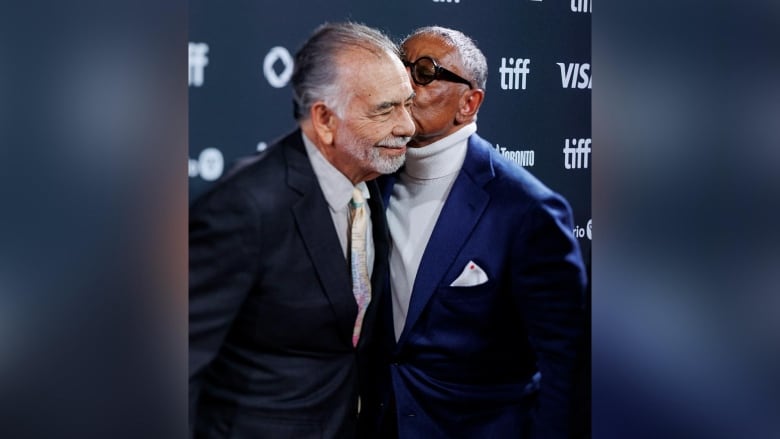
(359, 129)
(430, 108)
(423, 98)
(431, 101)
(369, 134)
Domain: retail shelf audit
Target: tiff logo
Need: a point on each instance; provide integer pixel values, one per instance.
(576, 153)
(522, 158)
(510, 74)
(582, 5)
(198, 63)
(575, 75)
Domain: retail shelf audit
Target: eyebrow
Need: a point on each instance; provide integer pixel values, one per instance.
(389, 104)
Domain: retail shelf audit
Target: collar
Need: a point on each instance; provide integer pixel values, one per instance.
(336, 188)
(441, 158)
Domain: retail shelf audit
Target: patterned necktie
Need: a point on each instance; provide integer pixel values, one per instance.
(361, 288)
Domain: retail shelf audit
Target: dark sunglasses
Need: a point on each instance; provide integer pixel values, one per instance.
(425, 70)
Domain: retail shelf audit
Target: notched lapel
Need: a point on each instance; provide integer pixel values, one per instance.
(313, 219)
(459, 216)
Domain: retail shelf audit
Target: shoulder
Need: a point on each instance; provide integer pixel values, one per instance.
(250, 177)
(256, 165)
(508, 178)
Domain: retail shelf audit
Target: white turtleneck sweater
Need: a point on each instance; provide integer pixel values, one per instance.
(415, 203)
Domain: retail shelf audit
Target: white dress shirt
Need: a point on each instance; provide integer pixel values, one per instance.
(337, 190)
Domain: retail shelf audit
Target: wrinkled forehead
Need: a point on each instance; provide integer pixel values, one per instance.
(373, 77)
(358, 61)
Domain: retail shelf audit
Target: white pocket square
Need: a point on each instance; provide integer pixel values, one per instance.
(471, 275)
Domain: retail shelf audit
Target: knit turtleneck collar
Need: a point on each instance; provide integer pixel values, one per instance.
(441, 158)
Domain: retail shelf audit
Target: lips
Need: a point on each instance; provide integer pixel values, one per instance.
(394, 143)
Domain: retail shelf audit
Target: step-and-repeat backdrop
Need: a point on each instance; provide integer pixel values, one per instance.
(537, 108)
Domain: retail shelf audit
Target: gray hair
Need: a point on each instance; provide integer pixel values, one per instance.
(473, 59)
(316, 73)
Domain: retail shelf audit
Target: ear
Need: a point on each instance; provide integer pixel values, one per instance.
(469, 105)
(324, 122)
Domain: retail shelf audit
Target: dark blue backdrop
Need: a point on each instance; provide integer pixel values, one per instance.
(538, 97)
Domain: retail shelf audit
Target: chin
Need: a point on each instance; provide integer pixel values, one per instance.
(389, 164)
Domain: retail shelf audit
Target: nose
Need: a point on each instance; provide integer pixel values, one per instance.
(405, 124)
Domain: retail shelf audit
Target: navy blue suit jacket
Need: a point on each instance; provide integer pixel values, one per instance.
(468, 361)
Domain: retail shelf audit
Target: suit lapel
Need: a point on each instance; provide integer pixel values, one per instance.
(313, 219)
(459, 216)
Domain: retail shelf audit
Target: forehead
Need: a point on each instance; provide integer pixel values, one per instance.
(435, 46)
(374, 78)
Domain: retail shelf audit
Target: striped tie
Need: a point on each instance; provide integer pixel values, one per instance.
(361, 288)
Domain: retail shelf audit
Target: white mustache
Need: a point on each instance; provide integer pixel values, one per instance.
(394, 142)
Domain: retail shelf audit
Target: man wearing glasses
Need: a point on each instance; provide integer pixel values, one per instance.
(485, 317)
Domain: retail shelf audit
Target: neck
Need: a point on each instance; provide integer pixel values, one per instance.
(329, 152)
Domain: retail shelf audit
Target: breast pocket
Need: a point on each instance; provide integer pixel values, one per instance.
(461, 317)
(466, 294)
(465, 305)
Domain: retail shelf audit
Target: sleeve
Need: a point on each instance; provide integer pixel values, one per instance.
(551, 279)
(223, 260)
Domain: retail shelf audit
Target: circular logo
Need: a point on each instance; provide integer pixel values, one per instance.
(211, 164)
(588, 228)
(278, 80)
(193, 167)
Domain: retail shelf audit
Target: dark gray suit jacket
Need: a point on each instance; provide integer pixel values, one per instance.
(271, 309)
